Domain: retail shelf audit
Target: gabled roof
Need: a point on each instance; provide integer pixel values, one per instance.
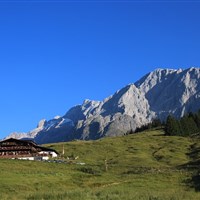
(28, 142)
(17, 140)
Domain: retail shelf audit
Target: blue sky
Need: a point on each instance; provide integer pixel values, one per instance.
(55, 54)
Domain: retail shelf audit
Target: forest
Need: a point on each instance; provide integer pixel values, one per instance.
(188, 125)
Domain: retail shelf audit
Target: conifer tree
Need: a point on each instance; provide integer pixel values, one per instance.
(188, 125)
(172, 126)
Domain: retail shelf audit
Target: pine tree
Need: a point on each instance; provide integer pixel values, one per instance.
(197, 120)
(188, 125)
(172, 126)
(156, 123)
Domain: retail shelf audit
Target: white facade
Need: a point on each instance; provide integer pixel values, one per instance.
(44, 156)
(53, 154)
(26, 158)
(50, 153)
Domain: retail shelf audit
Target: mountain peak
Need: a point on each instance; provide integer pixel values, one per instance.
(156, 95)
(41, 123)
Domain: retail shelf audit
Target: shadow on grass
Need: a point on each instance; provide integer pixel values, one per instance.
(194, 167)
(194, 153)
(195, 182)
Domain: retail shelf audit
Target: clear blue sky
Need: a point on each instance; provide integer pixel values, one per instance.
(55, 54)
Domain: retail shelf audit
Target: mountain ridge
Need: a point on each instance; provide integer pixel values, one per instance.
(156, 95)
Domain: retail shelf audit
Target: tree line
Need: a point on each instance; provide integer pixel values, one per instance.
(187, 125)
(156, 123)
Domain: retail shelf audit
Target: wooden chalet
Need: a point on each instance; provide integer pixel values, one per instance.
(25, 149)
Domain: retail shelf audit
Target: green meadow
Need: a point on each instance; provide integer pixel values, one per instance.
(144, 166)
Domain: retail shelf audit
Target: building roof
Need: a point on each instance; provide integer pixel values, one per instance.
(28, 142)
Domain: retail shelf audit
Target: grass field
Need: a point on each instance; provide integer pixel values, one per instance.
(145, 166)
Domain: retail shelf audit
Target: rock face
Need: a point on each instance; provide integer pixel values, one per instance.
(172, 91)
(156, 95)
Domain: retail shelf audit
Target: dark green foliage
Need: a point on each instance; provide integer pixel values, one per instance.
(130, 132)
(186, 126)
(172, 126)
(196, 118)
(154, 124)
(140, 129)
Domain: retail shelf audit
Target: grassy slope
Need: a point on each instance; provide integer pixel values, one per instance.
(143, 166)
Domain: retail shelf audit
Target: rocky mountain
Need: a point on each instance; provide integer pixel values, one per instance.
(172, 91)
(156, 95)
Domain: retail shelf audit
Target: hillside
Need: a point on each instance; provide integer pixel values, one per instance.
(146, 166)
